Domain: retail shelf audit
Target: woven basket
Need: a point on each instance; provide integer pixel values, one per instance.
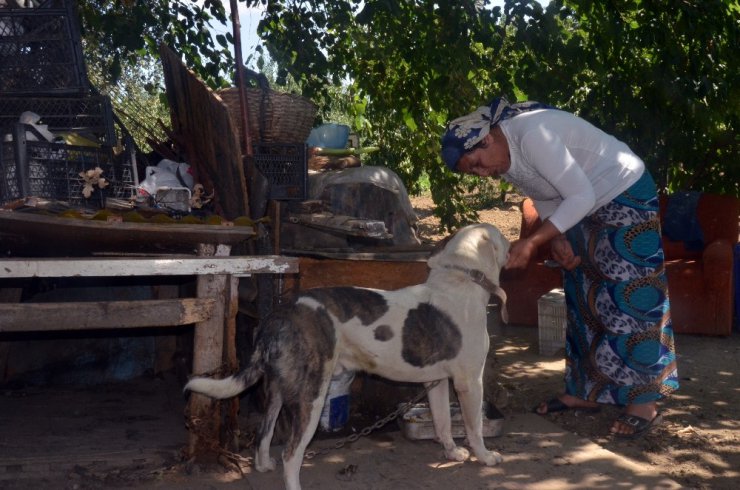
(274, 117)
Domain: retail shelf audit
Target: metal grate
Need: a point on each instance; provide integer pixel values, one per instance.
(51, 170)
(91, 115)
(40, 49)
(284, 167)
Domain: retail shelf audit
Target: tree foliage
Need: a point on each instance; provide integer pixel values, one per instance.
(662, 76)
(124, 31)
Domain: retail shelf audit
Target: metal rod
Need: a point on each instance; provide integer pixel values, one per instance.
(20, 148)
(244, 113)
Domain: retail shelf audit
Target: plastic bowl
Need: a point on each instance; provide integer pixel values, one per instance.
(329, 135)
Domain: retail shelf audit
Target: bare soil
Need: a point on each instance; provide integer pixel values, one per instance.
(698, 443)
(506, 217)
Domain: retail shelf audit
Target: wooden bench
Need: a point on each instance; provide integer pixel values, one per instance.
(212, 311)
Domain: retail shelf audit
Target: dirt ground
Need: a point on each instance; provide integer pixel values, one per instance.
(697, 445)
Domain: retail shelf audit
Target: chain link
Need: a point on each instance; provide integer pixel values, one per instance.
(194, 425)
(402, 409)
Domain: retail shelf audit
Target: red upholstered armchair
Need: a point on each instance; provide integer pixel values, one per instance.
(700, 281)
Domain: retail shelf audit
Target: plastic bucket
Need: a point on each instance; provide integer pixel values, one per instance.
(335, 414)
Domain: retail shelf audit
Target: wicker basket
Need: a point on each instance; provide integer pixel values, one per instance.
(274, 117)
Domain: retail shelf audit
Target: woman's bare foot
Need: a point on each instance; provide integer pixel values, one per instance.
(569, 401)
(646, 411)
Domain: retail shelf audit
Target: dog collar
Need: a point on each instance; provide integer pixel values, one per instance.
(478, 277)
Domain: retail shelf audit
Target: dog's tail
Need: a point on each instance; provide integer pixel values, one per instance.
(227, 387)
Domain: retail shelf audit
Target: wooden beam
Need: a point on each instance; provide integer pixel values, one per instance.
(26, 232)
(32, 317)
(121, 266)
(204, 413)
(378, 274)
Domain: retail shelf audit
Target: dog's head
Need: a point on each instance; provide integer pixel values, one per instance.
(478, 247)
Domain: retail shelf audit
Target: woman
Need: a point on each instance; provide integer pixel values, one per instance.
(599, 209)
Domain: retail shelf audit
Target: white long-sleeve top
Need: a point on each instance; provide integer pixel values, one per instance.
(568, 167)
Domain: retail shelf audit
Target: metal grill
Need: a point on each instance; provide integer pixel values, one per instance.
(284, 167)
(84, 115)
(51, 170)
(40, 50)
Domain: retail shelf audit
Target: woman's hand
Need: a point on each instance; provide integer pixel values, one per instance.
(563, 254)
(520, 252)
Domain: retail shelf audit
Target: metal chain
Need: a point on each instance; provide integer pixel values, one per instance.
(377, 425)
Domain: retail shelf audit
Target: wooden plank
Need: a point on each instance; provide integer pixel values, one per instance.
(26, 232)
(389, 254)
(141, 266)
(347, 225)
(32, 317)
(371, 274)
(203, 128)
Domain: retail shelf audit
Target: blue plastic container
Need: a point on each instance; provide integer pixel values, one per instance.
(330, 135)
(335, 414)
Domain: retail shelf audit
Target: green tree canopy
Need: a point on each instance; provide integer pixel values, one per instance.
(662, 76)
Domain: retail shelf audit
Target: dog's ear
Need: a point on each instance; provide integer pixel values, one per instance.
(500, 246)
(440, 245)
(492, 248)
(478, 246)
(500, 294)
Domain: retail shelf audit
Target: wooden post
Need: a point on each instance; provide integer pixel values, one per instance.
(208, 355)
(231, 429)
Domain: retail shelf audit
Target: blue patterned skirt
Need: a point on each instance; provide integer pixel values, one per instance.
(619, 347)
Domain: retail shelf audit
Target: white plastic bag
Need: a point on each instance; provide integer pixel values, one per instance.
(32, 119)
(167, 174)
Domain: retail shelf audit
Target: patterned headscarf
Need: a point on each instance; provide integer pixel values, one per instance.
(463, 133)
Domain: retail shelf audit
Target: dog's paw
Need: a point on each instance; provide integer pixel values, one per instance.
(265, 464)
(490, 458)
(457, 453)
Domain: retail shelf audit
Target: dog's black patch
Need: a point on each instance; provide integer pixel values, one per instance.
(383, 333)
(429, 336)
(348, 302)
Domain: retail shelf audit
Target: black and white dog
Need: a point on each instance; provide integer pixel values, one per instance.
(424, 333)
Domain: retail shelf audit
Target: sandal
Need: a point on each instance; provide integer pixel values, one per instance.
(639, 425)
(556, 405)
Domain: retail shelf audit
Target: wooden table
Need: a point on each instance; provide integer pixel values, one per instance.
(213, 310)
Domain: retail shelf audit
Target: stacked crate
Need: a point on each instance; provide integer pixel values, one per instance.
(42, 71)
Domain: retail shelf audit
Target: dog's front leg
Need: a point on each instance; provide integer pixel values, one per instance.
(470, 394)
(439, 404)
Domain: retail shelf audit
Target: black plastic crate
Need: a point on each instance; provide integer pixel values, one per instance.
(284, 167)
(84, 115)
(51, 170)
(40, 49)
